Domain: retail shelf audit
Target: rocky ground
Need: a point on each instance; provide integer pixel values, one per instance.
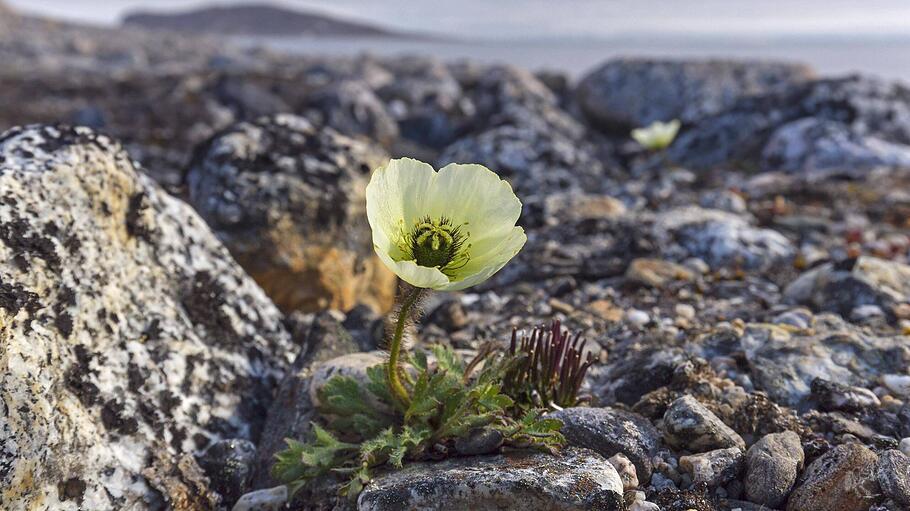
(179, 274)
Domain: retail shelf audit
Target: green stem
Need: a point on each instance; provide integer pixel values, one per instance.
(393, 369)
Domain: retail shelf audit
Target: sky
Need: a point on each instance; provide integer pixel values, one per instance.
(541, 19)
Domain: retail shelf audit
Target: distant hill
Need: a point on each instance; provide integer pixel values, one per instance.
(254, 19)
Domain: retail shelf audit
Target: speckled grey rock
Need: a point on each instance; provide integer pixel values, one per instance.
(131, 338)
(845, 286)
(689, 425)
(783, 363)
(530, 159)
(720, 238)
(842, 479)
(813, 145)
(573, 480)
(714, 468)
(628, 93)
(874, 118)
(609, 431)
(893, 475)
(288, 201)
(772, 464)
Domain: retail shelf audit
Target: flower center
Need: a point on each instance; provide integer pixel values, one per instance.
(437, 243)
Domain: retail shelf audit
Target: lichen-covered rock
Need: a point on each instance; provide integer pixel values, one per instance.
(772, 464)
(843, 479)
(129, 337)
(845, 286)
(574, 479)
(288, 201)
(853, 120)
(784, 363)
(609, 431)
(228, 465)
(893, 475)
(530, 159)
(689, 425)
(821, 145)
(628, 93)
(720, 238)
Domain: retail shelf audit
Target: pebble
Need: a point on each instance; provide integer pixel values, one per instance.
(866, 312)
(905, 446)
(893, 475)
(842, 479)
(684, 310)
(833, 396)
(689, 425)
(637, 317)
(897, 383)
(269, 499)
(714, 468)
(626, 471)
(772, 465)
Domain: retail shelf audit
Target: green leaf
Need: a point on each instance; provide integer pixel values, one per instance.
(449, 361)
(343, 397)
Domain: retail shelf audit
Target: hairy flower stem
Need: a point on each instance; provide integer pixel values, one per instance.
(394, 368)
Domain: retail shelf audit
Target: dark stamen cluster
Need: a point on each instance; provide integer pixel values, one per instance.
(437, 244)
(552, 369)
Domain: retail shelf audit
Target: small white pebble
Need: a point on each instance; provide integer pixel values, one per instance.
(685, 310)
(643, 505)
(637, 317)
(897, 383)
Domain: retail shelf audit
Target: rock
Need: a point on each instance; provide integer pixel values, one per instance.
(714, 468)
(626, 471)
(292, 411)
(580, 207)
(821, 145)
(288, 201)
(609, 431)
(693, 499)
(131, 338)
(353, 365)
(628, 93)
(530, 160)
(657, 273)
(352, 108)
(479, 441)
(637, 317)
(905, 446)
(899, 384)
(449, 315)
(720, 238)
(827, 124)
(843, 287)
(833, 396)
(843, 479)
(893, 475)
(228, 465)
(269, 499)
(426, 101)
(574, 479)
(772, 464)
(724, 200)
(783, 363)
(689, 425)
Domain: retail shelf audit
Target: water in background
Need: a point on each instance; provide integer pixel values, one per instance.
(886, 57)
